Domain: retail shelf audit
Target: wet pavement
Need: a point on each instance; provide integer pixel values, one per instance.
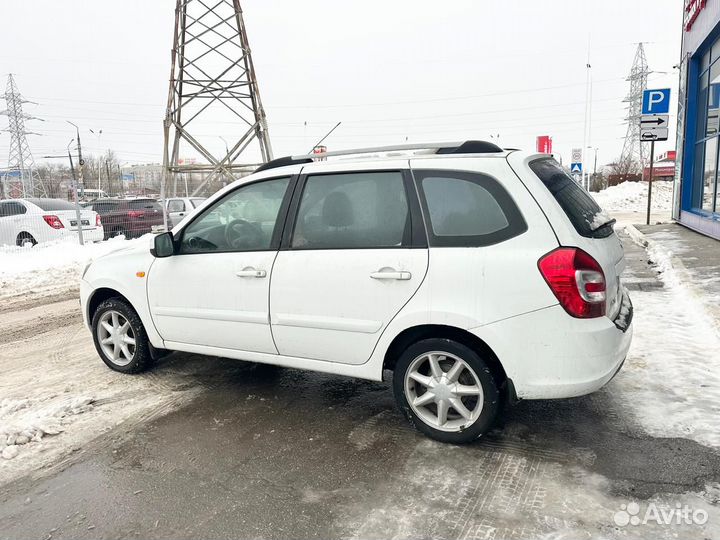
(265, 452)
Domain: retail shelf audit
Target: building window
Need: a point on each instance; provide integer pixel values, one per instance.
(705, 177)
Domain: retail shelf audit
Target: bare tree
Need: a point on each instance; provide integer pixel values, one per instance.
(627, 171)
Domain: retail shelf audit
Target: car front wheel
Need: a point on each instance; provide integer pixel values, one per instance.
(120, 337)
(446, 390)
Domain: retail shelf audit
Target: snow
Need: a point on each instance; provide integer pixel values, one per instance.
(51, 266)
(671, 379)
(632, 197)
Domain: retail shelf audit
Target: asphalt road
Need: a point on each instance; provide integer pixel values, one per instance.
(264, 452)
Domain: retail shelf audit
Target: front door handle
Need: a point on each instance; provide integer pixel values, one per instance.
(251, 272)
(391, 275)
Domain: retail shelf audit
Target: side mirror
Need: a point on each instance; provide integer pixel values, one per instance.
(164, 245)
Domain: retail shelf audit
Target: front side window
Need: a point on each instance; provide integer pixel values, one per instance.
(176, 205)
(467, 209)
(352, 211)
(243, 220)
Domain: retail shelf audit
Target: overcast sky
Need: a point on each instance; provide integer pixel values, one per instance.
(389, 70)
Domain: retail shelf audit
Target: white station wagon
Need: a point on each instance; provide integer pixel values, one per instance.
(475, 274)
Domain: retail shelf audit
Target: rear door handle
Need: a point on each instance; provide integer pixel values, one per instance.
(391, 275)
(251, 272)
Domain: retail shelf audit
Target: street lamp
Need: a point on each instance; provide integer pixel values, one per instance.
(98, 133)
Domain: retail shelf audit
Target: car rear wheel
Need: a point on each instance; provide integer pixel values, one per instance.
(119, 231)
(25, 240)
(120, 337)
(446, 390)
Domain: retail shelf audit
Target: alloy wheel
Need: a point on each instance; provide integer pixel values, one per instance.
(444, 391)
(116, 338)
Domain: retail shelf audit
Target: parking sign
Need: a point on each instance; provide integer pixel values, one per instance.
(656, 101)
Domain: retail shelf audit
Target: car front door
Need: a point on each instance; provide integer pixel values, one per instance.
(351, 261)
(176, 211)
(214, 291)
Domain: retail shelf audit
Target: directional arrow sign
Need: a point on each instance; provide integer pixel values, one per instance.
(654, 120)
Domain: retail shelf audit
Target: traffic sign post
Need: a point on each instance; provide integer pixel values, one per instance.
(653, 127)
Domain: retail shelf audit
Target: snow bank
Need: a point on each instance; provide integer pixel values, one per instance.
(632, 197)
(51, 266)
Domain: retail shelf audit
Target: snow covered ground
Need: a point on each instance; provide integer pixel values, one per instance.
(56, 395)
(671, 380)
(51, 267)
(632, 197)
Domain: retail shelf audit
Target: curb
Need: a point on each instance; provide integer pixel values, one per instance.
(673, 271)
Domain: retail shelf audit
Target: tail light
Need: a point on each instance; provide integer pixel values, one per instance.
(133, 214)
(577, 280)
(54, 222)
(98, 221)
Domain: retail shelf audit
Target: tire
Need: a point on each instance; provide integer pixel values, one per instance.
(478, 393)
(117, 232)
(25, 238)
(116, 313)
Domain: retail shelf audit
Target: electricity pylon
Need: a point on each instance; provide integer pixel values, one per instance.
(212, 81)
(21, 165)
(633, 151)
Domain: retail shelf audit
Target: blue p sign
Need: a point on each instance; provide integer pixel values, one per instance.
(656, 101)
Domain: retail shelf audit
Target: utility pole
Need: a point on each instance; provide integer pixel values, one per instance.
(586, 129)
(212, 73)
(650, 181)
(81, 161)
(76, 196)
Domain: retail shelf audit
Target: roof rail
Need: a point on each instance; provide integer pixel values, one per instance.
(466, 147)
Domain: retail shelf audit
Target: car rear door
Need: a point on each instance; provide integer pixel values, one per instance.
(353, 255)
(577, 219)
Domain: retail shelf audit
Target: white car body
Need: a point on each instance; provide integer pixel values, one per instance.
(325, 309)
(26, 221)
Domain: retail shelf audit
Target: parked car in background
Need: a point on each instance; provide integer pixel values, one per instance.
(179, 207)
(476, 274)
(26, 222)
(128, 217)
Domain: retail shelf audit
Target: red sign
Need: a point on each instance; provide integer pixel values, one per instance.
(659, 171)
(544, 144)
(692, 10)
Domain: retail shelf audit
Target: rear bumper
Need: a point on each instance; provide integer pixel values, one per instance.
(548, 354)
(89, 235)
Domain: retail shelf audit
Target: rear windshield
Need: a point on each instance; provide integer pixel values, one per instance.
(196, 202)
(145, 205)
(52, 204)
(581, 209)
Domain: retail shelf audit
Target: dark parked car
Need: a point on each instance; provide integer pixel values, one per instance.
(129, 217)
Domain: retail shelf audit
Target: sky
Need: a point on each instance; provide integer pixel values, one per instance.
(391, 71)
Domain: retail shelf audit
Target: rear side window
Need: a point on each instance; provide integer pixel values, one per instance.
(353, 211)
(580, 208)
(11, 209)
(467, 209)
(52, 204)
